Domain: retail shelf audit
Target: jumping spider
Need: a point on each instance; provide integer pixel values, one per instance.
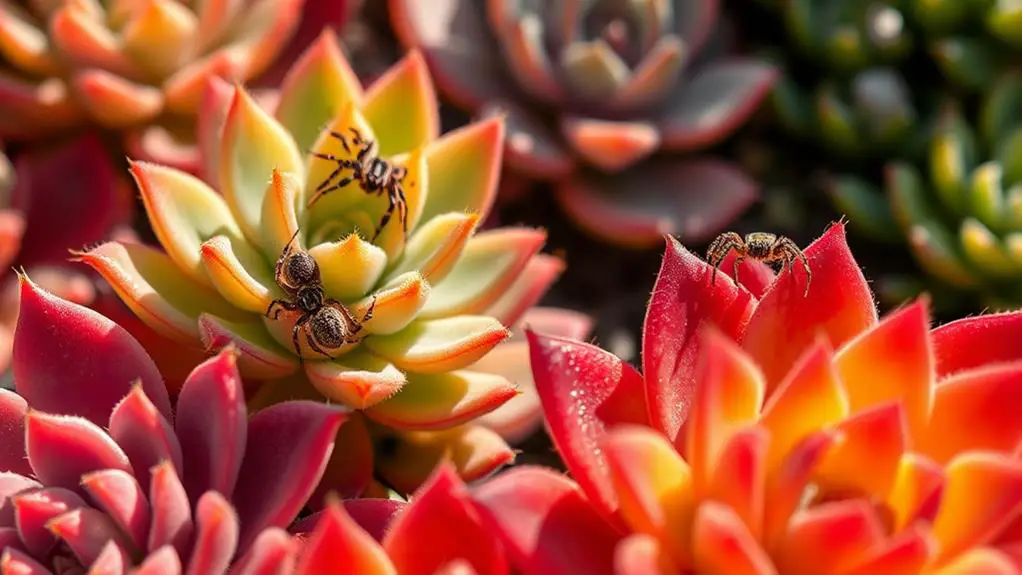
(761, 246)
(374, 174)
(326, 323)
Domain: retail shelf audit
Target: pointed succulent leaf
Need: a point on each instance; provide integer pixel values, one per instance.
(145, 436)
(282, 211)
(339, 545)
(349, 473)
(84, 343)
(464, 169)
(287, 449)
(316, 89)
(216, 535)
(401, 106)
(63, 448)
(211, 423)
(655, 75)
(683, 301)
(414, 546)
(635, 211)
(350, 267)
(252, 146)
(159, 293)
(239, 273)
(86, 532)
(273, 552)
(33, 511)
(526, 502)
(122, 498)
(172, 523)
(436, 247)
(395, 306)
(356, 379)
(839, 304)
(184, 212)
(439, 345)
(531, 146)
(258, 354)
(489, 264)
(578, 413)
(443, 400)
(335, 140)
(115, 102)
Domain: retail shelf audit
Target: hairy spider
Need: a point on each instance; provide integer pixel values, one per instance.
(374, 174)
(761, 246)
(326, 323)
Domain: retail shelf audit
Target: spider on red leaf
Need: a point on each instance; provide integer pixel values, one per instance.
(761, 246)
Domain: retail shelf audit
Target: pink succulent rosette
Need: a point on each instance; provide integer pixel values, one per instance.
(602, 97)
(101, 472)
(50, 201)
(773, 432)
(445, 296)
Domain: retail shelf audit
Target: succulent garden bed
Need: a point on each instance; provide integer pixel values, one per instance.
(471, 287)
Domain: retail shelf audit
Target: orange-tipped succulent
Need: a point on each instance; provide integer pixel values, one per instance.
(139, 67)
(775, 431)
(380, 294)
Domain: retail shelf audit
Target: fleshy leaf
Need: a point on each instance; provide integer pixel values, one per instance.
(401, 106)
(464, 169)
(184, 213)
(528, 289)
(545, 523)
(683, 301)
(252, 146)
(356, 379)
(146, 437)
(894, 361)
(711, 105)
(610, 146)
(316, 89)
(415, 546)
(350, 267)
(239, 273)
(63, 448)
(439, 345)
(282, 212)
(974, 410)
(976, 341)
(436, 247)
(636, 209)
(12, 424)
(216, 534)
(787, 320)
(654, 486)
(55, 338)
(160, 294)
(584, 391)
(721, 543)
(259, 355)
(395, 306)
(336, 203)
(289, 445)
(443, 400)
(489, 264)
(828, 536)
(338, 545)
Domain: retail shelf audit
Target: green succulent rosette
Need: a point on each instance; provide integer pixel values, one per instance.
(961, 213)
(444, 297)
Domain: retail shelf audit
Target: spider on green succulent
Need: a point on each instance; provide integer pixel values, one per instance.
(327, 323)
(765, 247)
(373, 174)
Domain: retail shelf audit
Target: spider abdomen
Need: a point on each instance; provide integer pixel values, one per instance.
(328, 328)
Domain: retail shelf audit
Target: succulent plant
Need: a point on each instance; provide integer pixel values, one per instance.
(100, 469)
(384, 537)
(135, 67)
(619, 81)
(961, 213)
(43, 212)
(775, 432)
(440, 300)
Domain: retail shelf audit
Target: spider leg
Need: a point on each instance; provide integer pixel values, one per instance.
(368, 315)
(358, 140)
(392, 202)
(402, 207)
(737, 261)
(294, 337)
(367, 148)
(315, 346)
(344, 141)
(280, 305)
(719, 249)
(320, 193)
(399, 173)
(809, 271)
